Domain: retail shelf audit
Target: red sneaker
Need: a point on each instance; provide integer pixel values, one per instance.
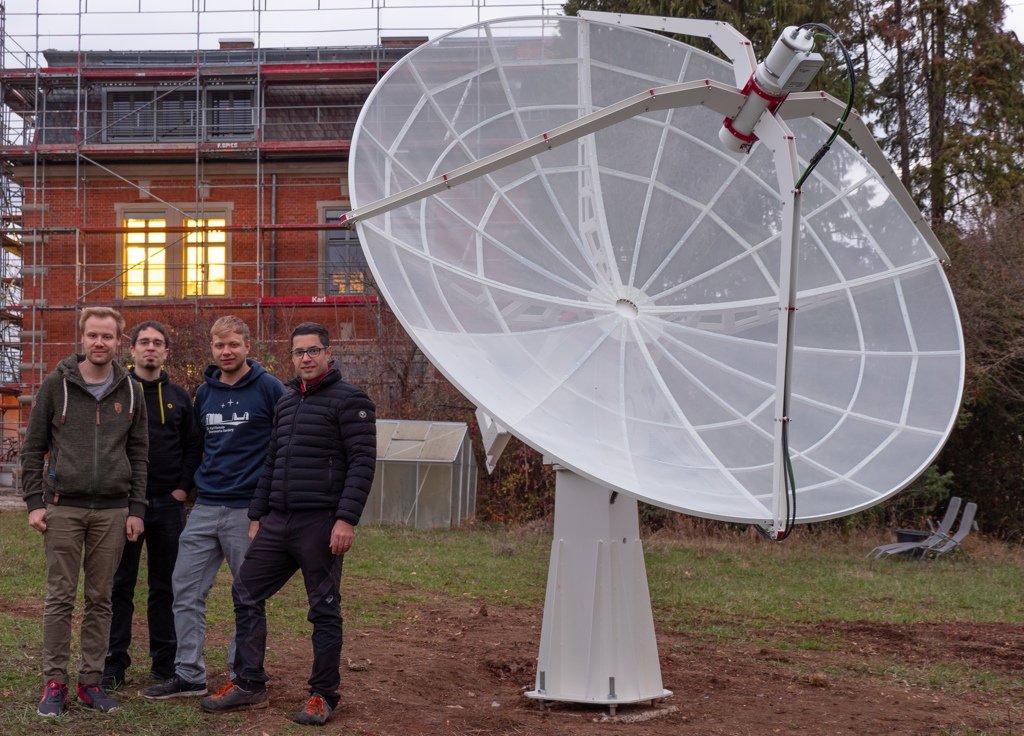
(54, 700)
(314, 713)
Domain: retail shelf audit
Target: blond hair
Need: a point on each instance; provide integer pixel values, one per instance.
(230, 323)
(101, 313)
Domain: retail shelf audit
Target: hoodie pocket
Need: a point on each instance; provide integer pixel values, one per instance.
(126, 472)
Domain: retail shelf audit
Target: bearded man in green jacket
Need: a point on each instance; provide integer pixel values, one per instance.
(89, 423)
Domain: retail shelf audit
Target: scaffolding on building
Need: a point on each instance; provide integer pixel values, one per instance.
(60, 84)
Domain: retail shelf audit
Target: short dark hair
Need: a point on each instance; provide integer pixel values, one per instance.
(313, 328)
(149, 324)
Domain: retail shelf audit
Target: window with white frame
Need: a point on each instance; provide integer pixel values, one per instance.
(168, 254)
(206, 257)
(145, 255)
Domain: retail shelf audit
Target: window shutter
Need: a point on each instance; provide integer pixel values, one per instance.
(130, 116)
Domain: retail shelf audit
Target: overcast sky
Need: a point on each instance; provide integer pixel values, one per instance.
(1015, 17)
(175, 24)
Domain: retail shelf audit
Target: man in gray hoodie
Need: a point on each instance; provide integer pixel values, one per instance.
(89, 423)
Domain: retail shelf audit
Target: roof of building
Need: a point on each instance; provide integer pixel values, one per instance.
(408, 440)
(388, 53)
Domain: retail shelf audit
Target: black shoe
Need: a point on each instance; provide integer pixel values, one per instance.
(54, 700)
(112, 679)
(232, 697)
(92, 696)
(315, 712)
(174, 687)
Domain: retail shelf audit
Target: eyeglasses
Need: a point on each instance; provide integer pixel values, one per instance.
(311, 352)
(146, 342)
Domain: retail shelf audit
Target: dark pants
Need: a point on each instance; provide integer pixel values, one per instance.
(287, 542)
(165, 518)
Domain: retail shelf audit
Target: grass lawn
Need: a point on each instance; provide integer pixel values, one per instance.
(729, 588)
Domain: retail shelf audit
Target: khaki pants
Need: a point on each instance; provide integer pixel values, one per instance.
(77, 537)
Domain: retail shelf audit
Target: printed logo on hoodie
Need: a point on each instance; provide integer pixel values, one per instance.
(231, 416)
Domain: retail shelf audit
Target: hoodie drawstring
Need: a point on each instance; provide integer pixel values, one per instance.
(64, 410)
(160, 398)
(131, 402)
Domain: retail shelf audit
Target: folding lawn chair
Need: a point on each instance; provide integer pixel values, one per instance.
(951, 544)
(938, 535)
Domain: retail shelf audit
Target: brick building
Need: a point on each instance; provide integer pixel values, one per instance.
(182, 186)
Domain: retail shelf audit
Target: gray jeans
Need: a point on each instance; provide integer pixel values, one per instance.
(212, 534)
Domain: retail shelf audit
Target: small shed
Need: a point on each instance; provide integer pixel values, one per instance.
(426, 475)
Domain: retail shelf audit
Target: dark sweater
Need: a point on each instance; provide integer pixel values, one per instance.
(174, 444)
(322, 452)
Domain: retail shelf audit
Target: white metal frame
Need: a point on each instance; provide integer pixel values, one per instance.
(582, 658)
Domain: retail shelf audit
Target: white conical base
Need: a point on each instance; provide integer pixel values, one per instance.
(597, 642)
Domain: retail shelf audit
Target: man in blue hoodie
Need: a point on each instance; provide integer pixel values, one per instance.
(235, 412)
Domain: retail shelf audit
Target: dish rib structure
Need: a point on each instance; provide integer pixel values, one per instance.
(614, 301)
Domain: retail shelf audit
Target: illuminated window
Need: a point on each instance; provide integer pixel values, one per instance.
(145, 256)
(206, 257)
(346, 265)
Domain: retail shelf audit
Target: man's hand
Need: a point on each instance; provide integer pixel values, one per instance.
(133, 528)
(37, 519)
(254, 526)
(342, 536)
(179, 494)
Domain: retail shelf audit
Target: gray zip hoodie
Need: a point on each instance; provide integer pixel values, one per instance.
(98, 449)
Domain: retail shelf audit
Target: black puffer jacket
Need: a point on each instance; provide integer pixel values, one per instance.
(322, 452)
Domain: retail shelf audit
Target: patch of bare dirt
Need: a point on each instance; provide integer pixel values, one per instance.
(454, 667)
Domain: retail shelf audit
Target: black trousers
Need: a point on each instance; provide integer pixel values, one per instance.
(286, 542)
(165, 519)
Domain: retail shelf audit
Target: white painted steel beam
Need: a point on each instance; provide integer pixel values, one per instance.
(828, 110)
(714, 95)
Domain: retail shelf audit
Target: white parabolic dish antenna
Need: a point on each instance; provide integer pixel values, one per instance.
(615, 301)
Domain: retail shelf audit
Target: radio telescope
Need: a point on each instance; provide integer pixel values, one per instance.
(548, 208)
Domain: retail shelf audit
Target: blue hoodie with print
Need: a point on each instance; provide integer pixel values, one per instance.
(235, 421)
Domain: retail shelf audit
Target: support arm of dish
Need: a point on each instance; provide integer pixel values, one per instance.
(777, 137)
(828, 110)
(719, 97)
(495, 437)
(820, 105)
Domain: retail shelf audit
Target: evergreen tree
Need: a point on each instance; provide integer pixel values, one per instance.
(946, 93)
(761, 21)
